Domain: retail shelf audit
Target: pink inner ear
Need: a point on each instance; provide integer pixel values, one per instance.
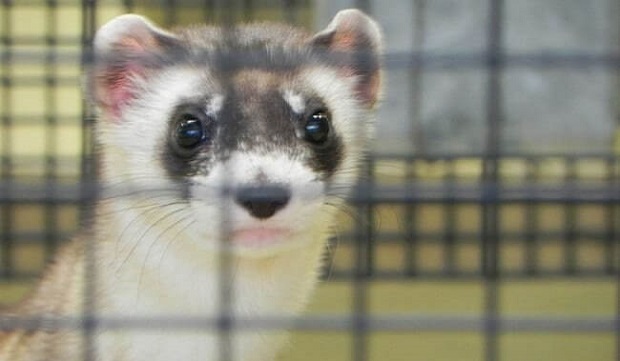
(116, 88)
(348, 39)
(368, 78)
(345, 41)
(370, 90)
(131, 44)
(115, 82)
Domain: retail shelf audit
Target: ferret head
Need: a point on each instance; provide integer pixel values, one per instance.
(248, 135)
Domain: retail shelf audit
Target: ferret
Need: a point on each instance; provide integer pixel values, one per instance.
(225, 153)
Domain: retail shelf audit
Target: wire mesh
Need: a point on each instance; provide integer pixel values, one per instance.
(462, 216)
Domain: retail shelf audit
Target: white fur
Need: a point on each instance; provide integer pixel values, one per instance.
(174, 250)
(211, 201)
(295, 101)
(178, 264)
(183, 280)
(215, 105)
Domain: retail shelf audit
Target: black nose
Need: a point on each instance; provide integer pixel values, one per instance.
(263, 202)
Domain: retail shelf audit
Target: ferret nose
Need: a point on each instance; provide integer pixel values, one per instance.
(263, 202)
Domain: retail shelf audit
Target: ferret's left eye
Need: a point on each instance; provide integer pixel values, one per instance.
(316, 128)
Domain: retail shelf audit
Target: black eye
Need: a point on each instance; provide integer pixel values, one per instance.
(316, 129)
(189, 132)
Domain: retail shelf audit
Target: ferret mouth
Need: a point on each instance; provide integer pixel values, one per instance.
(259, 237)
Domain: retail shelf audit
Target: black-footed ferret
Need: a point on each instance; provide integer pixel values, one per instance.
(240, 142)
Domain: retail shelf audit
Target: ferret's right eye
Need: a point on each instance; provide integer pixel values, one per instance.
(189, 132)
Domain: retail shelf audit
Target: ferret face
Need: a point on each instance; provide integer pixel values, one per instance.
(250, 137)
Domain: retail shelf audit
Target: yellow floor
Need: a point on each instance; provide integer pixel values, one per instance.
(561, 299)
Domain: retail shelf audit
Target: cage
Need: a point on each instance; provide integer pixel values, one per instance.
(487, 225)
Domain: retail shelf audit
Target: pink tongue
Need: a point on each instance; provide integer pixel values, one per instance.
(257, 237)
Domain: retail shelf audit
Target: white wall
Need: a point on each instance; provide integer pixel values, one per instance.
(549, 109)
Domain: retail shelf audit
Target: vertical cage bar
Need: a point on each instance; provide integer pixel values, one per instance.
(248, 10)
(227, 15)
(289, 8)
(613, 234)
(129, 5)
(208, 11)
(6, 166)
(612, 248)
(51, 124)
(88, 160)
(614, 225)
(416, 75)
(369, 231)
(225, 279)
(531, 222)
(364, 232)
(363, 5)
(87, 191)
(170, 13)
(417, 137)
(570, 221)
(490, 177)
(450, 215)
(225, 295)
(410, 214)
(613, 212)
(364, 255)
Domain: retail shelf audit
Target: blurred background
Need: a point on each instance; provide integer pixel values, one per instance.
(490, 225)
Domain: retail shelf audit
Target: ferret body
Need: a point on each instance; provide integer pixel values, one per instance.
(224, 155)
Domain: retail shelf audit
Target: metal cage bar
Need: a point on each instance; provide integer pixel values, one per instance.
(6, 168)
(490, 231)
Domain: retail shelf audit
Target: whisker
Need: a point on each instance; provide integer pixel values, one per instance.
(172, 239)
(139, 239)
(154, 242)
(136, 217)
(134, 206)
(331, 248)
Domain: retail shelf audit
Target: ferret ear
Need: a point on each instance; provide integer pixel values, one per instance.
(354, 41)
(127, 49)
